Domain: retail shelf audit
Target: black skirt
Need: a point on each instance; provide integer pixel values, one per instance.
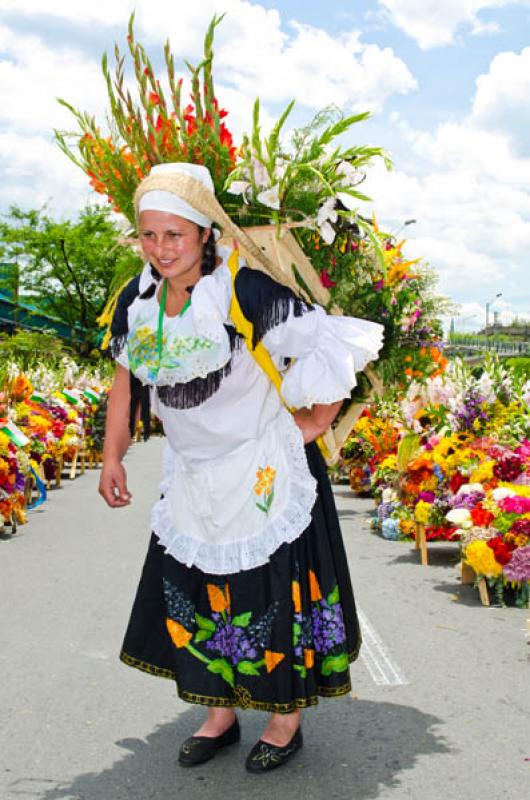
(273, 638)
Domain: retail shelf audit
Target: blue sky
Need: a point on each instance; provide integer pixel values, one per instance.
(448, 83)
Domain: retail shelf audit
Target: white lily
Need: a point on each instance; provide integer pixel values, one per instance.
(326, 215)
(327, 232)
(327, 211)
(270, 197)
(239, 187)
(351, 175)
(259, 171)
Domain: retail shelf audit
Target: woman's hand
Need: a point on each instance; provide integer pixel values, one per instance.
(113, 484)
(313, 423)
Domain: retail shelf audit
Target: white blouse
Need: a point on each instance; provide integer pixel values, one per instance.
(236, 483)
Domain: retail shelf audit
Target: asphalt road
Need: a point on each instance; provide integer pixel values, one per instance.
(441, 699)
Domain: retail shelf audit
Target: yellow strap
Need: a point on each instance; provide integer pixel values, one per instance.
(246, 329)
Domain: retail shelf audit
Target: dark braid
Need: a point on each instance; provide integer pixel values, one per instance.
(149, 292)
(209, 255)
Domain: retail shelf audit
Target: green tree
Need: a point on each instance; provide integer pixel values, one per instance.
(67, 269)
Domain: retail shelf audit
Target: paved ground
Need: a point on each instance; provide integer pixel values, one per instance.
(449, 716)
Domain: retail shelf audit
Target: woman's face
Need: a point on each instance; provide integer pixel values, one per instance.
(172, 244)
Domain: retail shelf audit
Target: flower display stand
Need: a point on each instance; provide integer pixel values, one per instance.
(467, 577)
(75, 457)
(421, 544)
(29, 485)
(93, 459)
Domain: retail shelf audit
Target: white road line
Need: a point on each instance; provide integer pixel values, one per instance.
(383, 671)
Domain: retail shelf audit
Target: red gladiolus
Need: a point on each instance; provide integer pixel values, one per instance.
(154, 98)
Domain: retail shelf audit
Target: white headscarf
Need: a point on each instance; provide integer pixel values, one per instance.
(159, 200)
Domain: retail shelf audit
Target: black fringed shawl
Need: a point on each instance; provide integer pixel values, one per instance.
(263, 301)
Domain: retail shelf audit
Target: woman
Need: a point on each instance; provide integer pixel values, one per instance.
(245, 597)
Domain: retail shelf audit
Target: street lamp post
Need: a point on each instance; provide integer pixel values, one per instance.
(404, 225)
(490, 303)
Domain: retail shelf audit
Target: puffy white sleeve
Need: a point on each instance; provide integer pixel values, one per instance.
(327, 352)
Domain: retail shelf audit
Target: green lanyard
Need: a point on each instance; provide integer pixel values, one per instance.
(160, 328)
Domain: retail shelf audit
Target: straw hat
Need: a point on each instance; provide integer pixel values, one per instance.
(195, 192)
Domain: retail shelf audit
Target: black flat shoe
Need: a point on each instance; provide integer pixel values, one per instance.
(198, 749)
(264, 756)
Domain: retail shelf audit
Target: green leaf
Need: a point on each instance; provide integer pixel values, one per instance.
(297, 631)
(242, 620)
(272, 141)
(301, 669)
(203, 636)
(262, 508)
(247, 668)
(331, 664)
(204, 623)
(334, 596)
(269, 500)
(220, 666)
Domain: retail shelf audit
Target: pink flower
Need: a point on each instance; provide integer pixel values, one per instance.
(515, 505)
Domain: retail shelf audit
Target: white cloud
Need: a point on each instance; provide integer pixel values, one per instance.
(35, 172)
(433, 23)
(472, 208)
(501, 99)
(102, 12)
(33, 75)
(316, 68)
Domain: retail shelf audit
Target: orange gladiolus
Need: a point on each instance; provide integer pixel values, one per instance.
(297, 600)
(314, 587)
(179, 635)
(272, 659)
